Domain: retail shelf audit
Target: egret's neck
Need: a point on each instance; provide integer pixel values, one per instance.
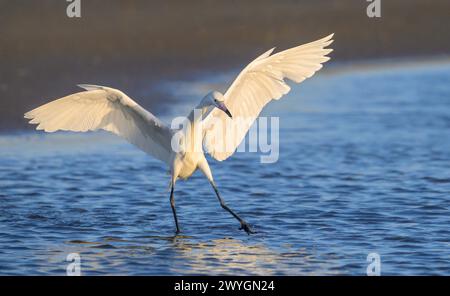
(193, 127)
(198, 113)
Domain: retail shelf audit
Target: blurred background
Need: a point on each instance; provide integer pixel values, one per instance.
(364, 144)
(134, 44)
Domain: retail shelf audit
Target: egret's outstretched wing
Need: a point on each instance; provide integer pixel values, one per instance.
(108, 109)
(260, 82)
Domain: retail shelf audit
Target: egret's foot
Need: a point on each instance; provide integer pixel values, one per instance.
(247, 228)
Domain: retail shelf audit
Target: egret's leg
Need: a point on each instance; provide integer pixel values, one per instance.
(172, 204)
(244, 225)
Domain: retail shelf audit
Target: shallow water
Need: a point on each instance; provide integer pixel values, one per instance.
(363, 167)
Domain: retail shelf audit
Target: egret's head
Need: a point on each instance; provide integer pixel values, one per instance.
(216, 99)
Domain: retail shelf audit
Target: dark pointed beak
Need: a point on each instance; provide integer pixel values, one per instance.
(224, 108)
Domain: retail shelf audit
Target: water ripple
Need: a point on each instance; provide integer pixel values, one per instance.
(361, 170)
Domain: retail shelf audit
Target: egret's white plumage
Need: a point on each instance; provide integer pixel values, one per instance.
(110, 109)
(260, 82)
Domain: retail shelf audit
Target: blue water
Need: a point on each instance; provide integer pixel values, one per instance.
(363, 168)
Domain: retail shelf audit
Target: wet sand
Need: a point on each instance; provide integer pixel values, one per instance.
(132, 45)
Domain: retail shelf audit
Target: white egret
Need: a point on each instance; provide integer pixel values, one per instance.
(112, 110)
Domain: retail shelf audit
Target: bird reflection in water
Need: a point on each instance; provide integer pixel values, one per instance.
(186, 255)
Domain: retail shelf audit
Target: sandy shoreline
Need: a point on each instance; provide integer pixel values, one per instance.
(156, 97)
(134, 45)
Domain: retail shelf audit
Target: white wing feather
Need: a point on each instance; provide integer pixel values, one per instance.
(109, 109)
(260, 82)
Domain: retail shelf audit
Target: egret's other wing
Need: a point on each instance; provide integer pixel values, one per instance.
(260, 82)
(109, 109)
